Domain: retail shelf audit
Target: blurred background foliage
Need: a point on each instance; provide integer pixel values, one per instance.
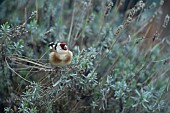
(121, 57)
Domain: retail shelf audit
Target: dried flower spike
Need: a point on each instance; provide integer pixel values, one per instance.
(108, 8)
(166, 21)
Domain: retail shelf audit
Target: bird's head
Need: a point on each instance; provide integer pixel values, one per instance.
(61, 47)
(58, 47)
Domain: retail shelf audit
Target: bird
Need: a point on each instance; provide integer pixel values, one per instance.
(60, 55)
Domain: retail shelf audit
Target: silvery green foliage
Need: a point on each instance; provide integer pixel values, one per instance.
(111, 70)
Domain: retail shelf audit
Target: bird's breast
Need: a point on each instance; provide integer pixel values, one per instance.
(60, 59)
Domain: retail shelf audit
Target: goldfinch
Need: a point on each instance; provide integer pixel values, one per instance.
(60, 55)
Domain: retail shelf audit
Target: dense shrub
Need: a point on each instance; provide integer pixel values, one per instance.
(120, 64)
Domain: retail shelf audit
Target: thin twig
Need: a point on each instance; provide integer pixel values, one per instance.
(162, 60)
(16, 72)
(29, 61)
(71, 26)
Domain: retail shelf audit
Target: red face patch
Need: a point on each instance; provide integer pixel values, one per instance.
(62, 44)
